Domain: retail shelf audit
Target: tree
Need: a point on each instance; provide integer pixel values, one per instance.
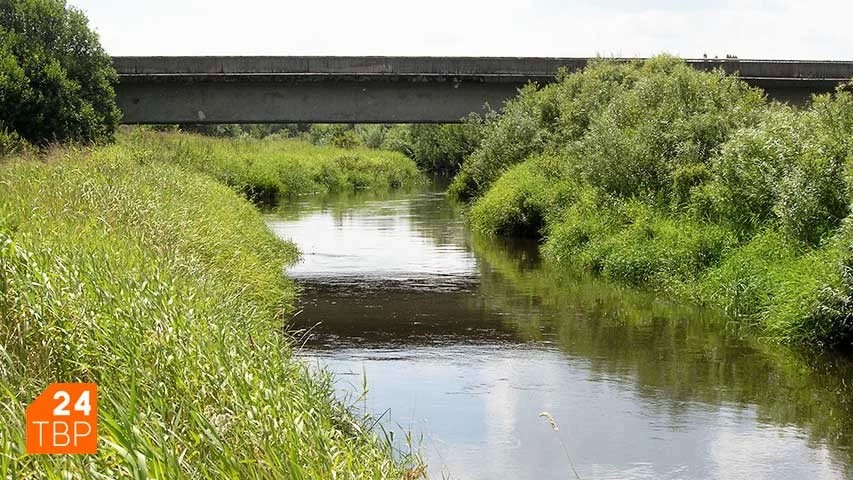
(56, 81)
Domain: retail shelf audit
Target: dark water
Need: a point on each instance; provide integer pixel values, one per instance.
(465, 340)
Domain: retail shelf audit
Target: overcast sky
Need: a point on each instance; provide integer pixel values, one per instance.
(818, 29)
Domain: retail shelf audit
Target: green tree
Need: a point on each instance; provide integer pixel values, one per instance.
(56, 81)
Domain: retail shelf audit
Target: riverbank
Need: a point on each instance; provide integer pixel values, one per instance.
(692, 183)
(266, 170)
(133, 266)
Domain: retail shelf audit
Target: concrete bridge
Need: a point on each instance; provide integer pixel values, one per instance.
(383, 89)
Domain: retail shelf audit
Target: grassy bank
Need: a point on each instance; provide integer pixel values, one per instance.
(133, 267)
(693, 183)
(266, 170)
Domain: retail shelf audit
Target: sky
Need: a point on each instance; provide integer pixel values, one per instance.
(771, 29)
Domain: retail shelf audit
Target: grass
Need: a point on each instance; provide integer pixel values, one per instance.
(133, 266)
(270, 170)
(692, 182)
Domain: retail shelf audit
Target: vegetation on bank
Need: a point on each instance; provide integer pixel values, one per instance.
(131, 266)
(657, 174)
(56, 82)
(135, 266)
(435, 148)
(266, 170)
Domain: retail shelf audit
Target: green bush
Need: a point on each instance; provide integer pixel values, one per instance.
(507, 139)
(11, 143)
(56, 82)
(520, 201)
(589, 219)
(656, 173)
(672, 117)
(371, 135)
(788, 170)
(639, 245)
(337, 135)
(538, 120)
(744, 282)
(442, 148)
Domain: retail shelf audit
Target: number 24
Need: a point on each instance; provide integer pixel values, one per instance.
(81, 405)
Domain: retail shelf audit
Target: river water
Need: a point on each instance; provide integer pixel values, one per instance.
(465, 340)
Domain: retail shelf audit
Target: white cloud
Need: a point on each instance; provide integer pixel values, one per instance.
(750, 29)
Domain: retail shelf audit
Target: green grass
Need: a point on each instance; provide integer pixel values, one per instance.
(131, 267)
(692, 182)
(270, 170)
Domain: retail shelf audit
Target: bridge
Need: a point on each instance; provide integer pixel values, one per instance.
(155, 90)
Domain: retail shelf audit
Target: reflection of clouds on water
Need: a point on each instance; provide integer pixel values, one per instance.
(477, 409)
(466, 350)
(382, 245)
(768, 452)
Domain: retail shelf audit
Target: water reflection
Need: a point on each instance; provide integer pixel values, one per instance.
(466, 339)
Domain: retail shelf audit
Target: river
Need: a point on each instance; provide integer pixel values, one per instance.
(465, 340)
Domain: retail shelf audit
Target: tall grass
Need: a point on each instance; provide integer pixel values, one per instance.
(655, 173)
(268, 170)
(130, 267)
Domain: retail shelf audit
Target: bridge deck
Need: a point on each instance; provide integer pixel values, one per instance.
(383, 89)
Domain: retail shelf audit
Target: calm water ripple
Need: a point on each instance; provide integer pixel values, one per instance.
(465, 340)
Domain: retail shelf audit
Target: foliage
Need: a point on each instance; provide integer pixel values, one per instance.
(442, 148)
(56, 82)
(521, 199)
(507, 139)
(689, 181)
(672, 117)
(11, 143)
(272, 169)
(787, 170)
(123, 267)
(538, 120)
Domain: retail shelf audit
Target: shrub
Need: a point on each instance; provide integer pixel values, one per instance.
(56, 82)
(442, 148)
(590, 219)
(639, 245)
(520, 200)
(338, 135)
(655, 173)
(11, 143)
(371, 136)
(744, 282)
(398, 138)
(507, 139)
(671, 117)
(788, 170)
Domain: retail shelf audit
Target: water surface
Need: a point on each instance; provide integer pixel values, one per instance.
(464, 340)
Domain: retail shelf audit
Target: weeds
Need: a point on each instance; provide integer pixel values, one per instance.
(130, 267)
(269, 170)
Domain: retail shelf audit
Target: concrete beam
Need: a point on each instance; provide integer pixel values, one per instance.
(382, 89)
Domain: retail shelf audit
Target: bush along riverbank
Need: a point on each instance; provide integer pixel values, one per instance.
(132, 266)
(267, 170)
(690, 182)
